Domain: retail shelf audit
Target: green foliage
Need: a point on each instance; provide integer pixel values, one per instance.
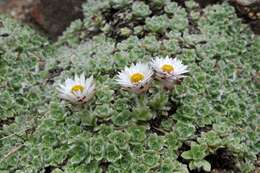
(196, 154)
(155, 142)
(157, 24)
(140, 9)
(214, 107)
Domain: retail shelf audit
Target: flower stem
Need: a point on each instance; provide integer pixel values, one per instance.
(140, 100)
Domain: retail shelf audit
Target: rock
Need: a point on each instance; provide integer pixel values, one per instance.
(249, 10)
(246, 2)
(18, 9)
(54, 16)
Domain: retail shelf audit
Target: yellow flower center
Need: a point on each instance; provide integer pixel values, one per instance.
(77, 88)
(136, 77)
(167, 68)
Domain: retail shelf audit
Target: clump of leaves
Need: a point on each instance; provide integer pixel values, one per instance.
(196, 154)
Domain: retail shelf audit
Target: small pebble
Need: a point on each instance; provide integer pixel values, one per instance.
(252, 15)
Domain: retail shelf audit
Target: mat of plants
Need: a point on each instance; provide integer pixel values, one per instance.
(209, 121)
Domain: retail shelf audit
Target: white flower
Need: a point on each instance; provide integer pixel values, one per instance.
(135, 78)
(168, 70)
(79, 90)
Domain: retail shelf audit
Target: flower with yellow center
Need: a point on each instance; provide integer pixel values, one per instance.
(78, 90)
(168, 70)
(135, 78)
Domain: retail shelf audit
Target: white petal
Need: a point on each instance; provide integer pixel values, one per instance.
(82, 78)
(69, 82)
